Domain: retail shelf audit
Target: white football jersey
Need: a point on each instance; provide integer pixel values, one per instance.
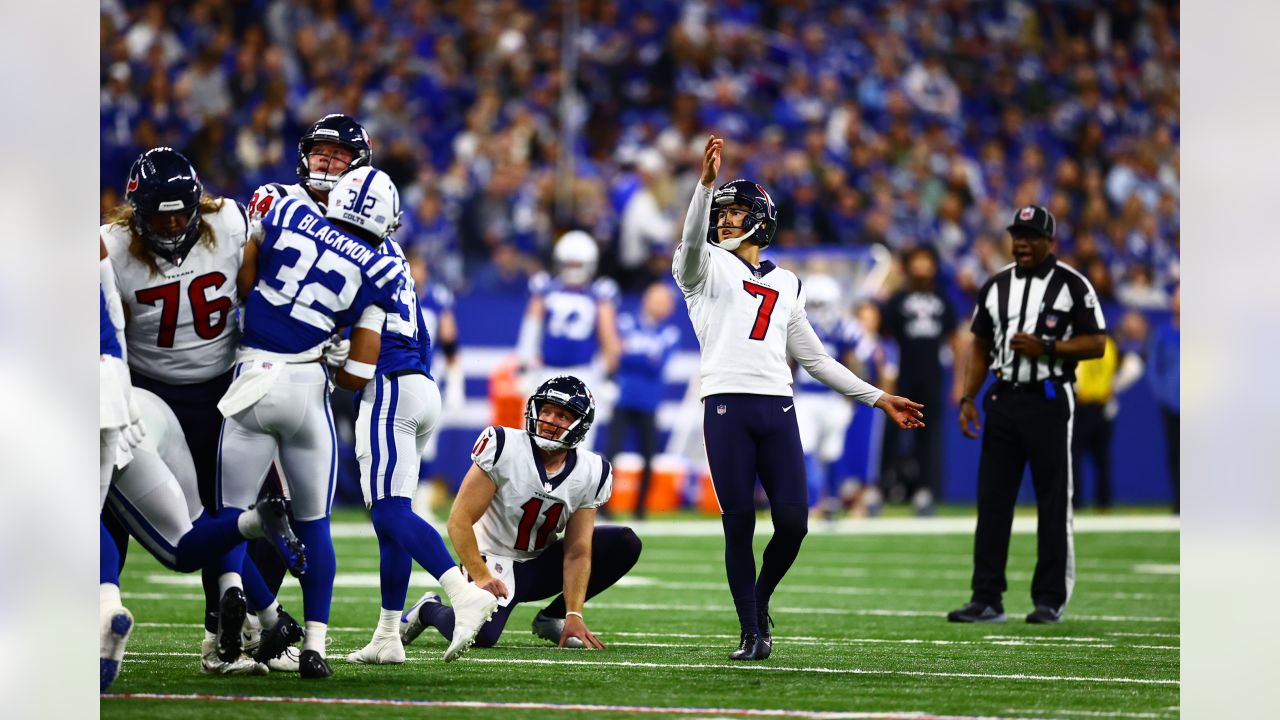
(530, 510)
(266, 195)
(748, 320)
(182, 321)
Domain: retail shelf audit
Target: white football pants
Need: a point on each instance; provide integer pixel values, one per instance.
(823, 419)
(397, 416)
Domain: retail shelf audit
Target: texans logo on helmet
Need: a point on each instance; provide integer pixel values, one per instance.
(765, 193)
(133, 184)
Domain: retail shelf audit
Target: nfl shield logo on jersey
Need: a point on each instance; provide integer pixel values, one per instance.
(721, 409)
(1050, 321)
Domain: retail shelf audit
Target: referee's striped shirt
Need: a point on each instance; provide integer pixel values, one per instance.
(1051, 300)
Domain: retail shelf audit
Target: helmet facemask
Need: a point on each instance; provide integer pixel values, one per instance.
(154, 229)
(323, 180)
(534, 421)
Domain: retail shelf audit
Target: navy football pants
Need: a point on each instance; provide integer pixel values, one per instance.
(750, 436)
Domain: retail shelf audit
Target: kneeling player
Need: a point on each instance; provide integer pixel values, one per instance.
(522, 490)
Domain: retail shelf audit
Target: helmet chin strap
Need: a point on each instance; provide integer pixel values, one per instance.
(732, 244)
(548, 444)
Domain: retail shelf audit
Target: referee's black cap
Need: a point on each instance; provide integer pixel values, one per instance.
(1034, 218)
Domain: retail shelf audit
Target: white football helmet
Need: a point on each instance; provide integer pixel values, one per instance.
(366, 198)
(822, 297)
(575, 257)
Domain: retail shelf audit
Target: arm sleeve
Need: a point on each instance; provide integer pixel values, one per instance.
(693, 254)
(803, 345)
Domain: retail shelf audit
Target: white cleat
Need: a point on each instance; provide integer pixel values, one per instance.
(379, 651)
(286, 661)
(411, 626)
(471, 610)
(211, 664)
(116, 627)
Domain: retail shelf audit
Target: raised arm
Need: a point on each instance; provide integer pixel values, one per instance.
(691, 258)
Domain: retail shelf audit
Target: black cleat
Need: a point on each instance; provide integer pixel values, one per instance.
(765, 621)
(976, 612)
(1044, 615)
(275, 523)
(284, 633)
(313, 667)
(751, 648)
(231, 613)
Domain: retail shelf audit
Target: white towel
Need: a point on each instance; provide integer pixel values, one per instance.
(255, 380)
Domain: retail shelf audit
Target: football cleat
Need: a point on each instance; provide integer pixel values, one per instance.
(411, 625)
(471, 610)
(765, 622)
(275, 641)
(551, 629)
(115, 633)
(211, 664)
(751, 647)
(379, 651)
(1044, 615)
(286, 661)
(231, 614)
(976, 612)
(275, 523)
(313, 667)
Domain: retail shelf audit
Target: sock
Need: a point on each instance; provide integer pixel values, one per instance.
(270, 615)
(317, 584)
(249, 524)
(439, 617)
(228, 580)
(816, 478)
(108, 596)
(256, 592)
(740, 565)
(209, 580)
(790, 524)
(315, 637)
(108, 558)
(555, 609)
(453, 582)
(388, 624)
(395, 566)
(208, 539)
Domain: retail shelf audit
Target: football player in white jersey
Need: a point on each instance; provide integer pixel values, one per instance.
(173, 253)
(749, 317)
(333, 146)
(522, 491)
(823, 415)
(570, 325)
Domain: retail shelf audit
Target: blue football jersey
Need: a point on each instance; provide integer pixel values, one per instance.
(569, 336)
(406, 344)
(838, 338)
(434, 300)
(108, 343)
(312, 279)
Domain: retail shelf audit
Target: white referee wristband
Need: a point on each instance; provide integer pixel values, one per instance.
(575, 614)
(359, 369)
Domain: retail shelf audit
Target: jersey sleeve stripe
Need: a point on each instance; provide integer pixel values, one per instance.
(380, 266)
(289, 210)
(605, 468)
(501, 434)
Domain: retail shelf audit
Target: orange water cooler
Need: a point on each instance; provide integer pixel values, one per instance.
(505, 396)
(666, 488)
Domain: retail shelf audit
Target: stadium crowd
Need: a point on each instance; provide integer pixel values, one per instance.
(898, 123)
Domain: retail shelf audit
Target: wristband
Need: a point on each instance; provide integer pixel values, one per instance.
(359, 369)
(575, 614)
(1051, 347)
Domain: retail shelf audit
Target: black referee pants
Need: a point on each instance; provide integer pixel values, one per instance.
(1025, 426)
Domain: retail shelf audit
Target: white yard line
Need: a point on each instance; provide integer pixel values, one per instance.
(556, 707)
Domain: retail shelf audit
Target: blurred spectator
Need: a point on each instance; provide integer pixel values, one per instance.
(648, 342)
(644, 221)
(1164, 370)
(507, 273)
(922, 320)
(1098, 382)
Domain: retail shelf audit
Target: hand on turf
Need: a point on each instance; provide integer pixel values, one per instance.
(574, 627)
(902, 411)
(711, 160)
(970, 423)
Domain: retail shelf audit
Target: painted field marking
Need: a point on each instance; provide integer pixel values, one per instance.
(635, 709)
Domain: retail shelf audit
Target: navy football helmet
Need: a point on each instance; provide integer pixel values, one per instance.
(762, 215)
(571, 394)
(341, 130)
(163, 186)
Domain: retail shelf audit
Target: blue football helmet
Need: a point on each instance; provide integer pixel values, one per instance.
(571, 394)
(341, 130)
(162, 185)
(762, 215)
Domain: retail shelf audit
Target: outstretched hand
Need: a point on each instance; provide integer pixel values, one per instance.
(711, 160)
(902, 411)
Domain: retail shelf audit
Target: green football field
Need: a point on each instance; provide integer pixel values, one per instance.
(860, 633)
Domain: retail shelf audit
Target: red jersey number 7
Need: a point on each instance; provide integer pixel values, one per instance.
(768, 298)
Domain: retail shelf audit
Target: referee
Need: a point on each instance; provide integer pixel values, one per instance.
(1033, 321)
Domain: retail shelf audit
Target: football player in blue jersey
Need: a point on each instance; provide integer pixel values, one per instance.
(117, 434)
(824, 415)
(170, 258)
(570, 324)
(305, 276)
(435, 302)
(390, 365)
